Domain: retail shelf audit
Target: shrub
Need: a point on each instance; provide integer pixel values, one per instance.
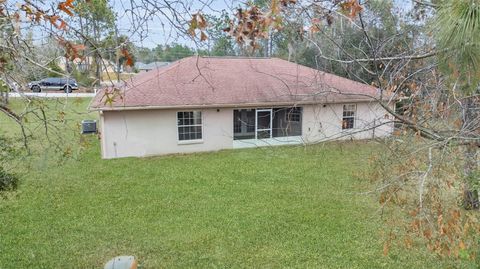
(8, 181)
(83, 78)
(56, 68)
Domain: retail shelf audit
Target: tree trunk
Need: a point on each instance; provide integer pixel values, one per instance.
(290, 51)
(98, 67)
(471, 128)
(117, 56)
(98, 57)
(265, 44)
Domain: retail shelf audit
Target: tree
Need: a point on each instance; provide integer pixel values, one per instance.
(458, 38)
(219, 43)
(56, 71)
(144, 55)
(118, 50)
(96, 20)
(173, 52)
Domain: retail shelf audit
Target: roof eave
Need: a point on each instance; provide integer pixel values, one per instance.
(243, 105)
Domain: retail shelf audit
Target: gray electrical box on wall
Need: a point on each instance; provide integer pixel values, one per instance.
(89, 126)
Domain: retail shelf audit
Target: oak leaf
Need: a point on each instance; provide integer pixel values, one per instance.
(66, 7)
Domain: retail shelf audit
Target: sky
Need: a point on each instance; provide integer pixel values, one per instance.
(154, 29)
(157, 29)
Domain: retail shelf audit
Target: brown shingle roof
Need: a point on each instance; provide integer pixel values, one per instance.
(216, 82)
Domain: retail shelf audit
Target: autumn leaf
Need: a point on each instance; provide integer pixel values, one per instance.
(193, 26)
(201, 22)
(62, 26)
(315, 28)
(112, 95)
(203, 36)
(274, 7)
(52, 19)
(253, 23)
(329, 19)
(72, 51)
(66, 7)
(198, 22)
(351, 7)
(38, 16)
(287, 2)
(27, 9)
(128, 57)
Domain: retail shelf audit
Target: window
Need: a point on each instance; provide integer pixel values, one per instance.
(348, 121)
(189, 125)
(287, 121)
(243, 124)
(267, 123)
(293, 114)
(237, 124)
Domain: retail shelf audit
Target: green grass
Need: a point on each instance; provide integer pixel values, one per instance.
(265, 208)
(62, 124)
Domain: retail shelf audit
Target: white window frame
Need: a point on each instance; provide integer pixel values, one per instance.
(354, 117)
(256, 122)
(190, 141)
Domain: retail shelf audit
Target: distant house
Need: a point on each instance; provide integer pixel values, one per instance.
(142, 67)
(206, 104)
(86, 63)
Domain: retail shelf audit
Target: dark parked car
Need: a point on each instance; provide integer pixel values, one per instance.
(64, 84)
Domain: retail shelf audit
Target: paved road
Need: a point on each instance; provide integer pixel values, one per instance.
(53, 94)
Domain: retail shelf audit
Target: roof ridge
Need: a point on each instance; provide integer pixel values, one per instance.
(236, 57)
(163, 69)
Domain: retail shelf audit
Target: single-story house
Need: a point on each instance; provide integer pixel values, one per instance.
(143, 67)
(85, 63)
(213, 103)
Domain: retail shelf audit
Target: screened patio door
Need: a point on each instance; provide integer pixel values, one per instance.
(263, 123)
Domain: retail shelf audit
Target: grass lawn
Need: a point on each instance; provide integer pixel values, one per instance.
(113, 76)
(268, 207)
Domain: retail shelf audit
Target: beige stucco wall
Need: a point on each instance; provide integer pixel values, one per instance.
(324, 122)
(154, 132)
